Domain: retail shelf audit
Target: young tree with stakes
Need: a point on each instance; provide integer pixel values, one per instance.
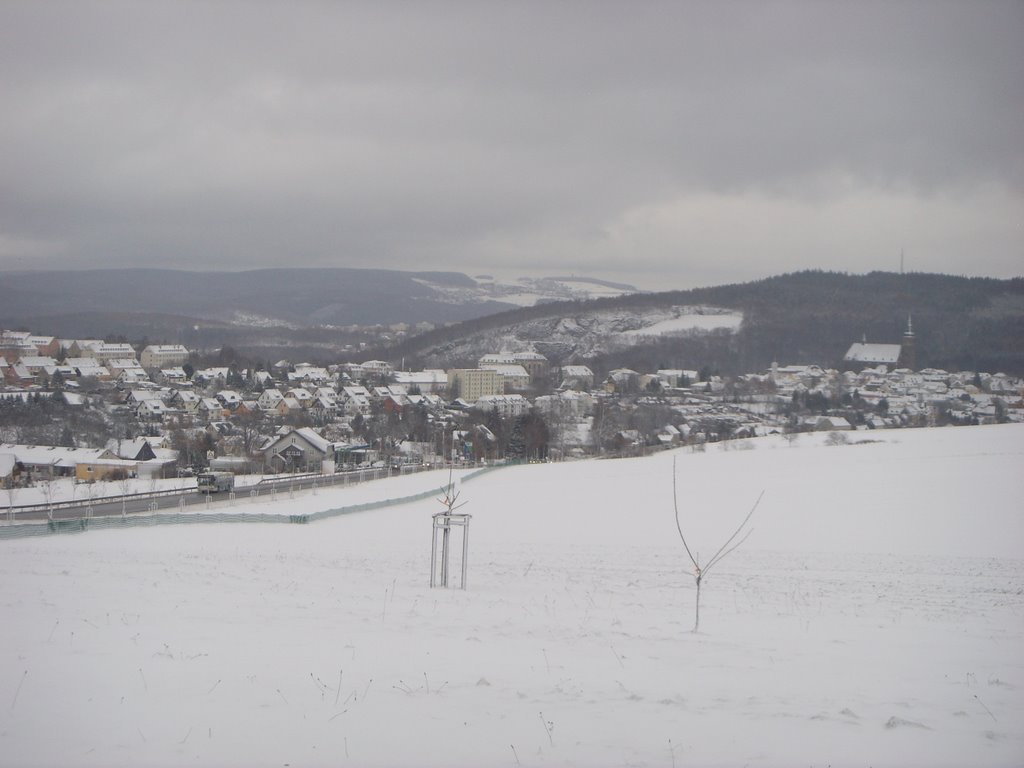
(450, 501)
(700, 572)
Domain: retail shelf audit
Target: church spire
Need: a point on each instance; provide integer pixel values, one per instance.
(908, 355)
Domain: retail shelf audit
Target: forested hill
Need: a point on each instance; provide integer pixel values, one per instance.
(960, 324)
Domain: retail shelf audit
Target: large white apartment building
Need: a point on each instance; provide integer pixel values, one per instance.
(470, 384)
(163, 356)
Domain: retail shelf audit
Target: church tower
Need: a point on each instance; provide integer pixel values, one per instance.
(908, 356)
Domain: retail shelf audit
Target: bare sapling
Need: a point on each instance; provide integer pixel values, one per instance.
(450, 495)
(49, 492)
(125, 482)
(700, 572)
(450, 501)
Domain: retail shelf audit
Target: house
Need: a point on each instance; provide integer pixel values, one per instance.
(428, 381)
(137, 396)
(302, 395)
(431, 402)
(668, 435)
(323, 408)
(174, 375)
(377, 368)
(354, 399)
(626, 439)
(832, 423)
(89, 367)
(269, 398)
(394, 403)
(44, 462)
(66, 372)
(151, 410)
(186, 400)
(576, 377)
(229, 399)
(308, 373)
(15, 344)
(297, 450)
(508, 406)
(18, 375)
(10, 469)
(622, 380)
(208, 375)
(73, 399)
(138, 449)
(36, 364)
(47, 346)
(287, 405)
(567, 404)
(103, 351)
(125, 365)
(210, 408)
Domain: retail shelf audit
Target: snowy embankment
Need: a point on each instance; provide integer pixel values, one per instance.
(875, 616)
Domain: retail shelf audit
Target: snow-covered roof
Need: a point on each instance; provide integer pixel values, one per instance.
(427, 376)
(37, 361)
(576, 371)
(873, 353)
(57, 456)
(7, 462)
(508, 371)
(166, 349)
(127, 449)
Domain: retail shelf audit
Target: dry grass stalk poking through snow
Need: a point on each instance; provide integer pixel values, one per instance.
(730, 545)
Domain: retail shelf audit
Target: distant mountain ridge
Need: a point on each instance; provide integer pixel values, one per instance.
(272, 297)
(805, 317)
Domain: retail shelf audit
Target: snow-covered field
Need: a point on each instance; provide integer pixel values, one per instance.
(691, 322)
(874, 617)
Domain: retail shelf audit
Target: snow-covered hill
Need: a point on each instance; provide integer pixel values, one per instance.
(526, 291)
(577, 334)
(874, 617)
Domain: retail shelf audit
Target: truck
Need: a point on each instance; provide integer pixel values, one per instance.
(214, 482)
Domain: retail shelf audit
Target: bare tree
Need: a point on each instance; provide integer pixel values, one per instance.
(700, 572)
(12, 492)
(124, 480)
(49, 492)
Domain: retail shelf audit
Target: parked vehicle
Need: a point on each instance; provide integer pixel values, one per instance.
(213, 482)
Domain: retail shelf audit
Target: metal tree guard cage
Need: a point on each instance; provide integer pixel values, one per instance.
(444, 522)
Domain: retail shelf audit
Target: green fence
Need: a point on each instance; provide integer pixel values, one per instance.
(80, 525)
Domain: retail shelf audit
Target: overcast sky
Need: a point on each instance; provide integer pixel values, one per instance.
(667, 145)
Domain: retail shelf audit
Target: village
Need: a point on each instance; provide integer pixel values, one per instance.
(97, 410)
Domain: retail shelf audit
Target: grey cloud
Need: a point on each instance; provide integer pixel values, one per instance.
(476, 134)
